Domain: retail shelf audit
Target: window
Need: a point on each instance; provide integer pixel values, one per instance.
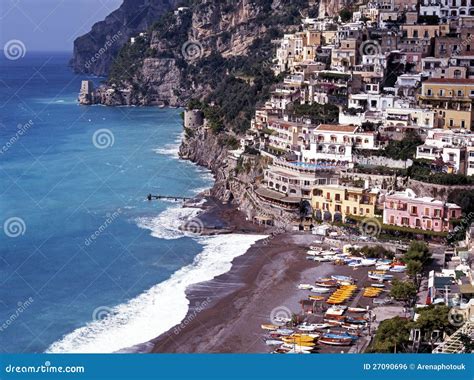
(338, 197)
(460, 93)
(429, 92)
(414, 210)
(427, 211)
(463, 124)
(451, 122)
(355, 210)
(392, 219)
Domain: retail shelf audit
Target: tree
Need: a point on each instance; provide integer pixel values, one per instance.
(345, 14)
(414, 267)
(391, 336)
(419, 248)
(434, 318)
(403, 291)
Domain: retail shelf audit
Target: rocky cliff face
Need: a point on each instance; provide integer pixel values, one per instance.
(94, 52)
(186, 53)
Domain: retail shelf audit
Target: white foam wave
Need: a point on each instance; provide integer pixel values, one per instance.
(161, 307)
(166, 224)
(171, 149)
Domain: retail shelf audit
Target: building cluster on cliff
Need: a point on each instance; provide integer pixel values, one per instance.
(388, 86)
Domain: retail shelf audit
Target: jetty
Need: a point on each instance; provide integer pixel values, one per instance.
(151, 197)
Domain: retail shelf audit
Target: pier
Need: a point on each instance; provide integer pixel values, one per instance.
(150, 197)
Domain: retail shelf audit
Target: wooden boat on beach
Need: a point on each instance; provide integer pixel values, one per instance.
(316, 298)
(356, 310)
(269, 326)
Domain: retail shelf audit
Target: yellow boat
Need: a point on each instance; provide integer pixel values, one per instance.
(303, 343)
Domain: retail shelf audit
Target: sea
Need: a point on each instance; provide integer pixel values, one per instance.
(87, 263)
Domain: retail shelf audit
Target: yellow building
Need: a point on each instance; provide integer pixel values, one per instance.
(451, 99)
(336, 202)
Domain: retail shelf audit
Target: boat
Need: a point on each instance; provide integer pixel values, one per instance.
(355, 264)
(398, 268)
(321, 259)
(281, 320)
(308, 326)
(357, 310)
(335, 341)
(342, 278)
(269, 326)
(292, 349)
(315, 248)
(318, 289)
(316, 298)
(377, 285)
(368, 262)
(312, 253)
(305, 286)
(327, 283)
(383, 267)
(273, 342)
(283, 331)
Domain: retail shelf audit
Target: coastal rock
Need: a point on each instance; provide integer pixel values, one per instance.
(131, 18)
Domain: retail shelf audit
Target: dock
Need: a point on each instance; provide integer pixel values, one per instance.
(151, 197)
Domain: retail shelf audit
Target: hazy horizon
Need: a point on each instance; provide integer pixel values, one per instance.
(50, 25)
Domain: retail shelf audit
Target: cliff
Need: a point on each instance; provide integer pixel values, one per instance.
(94, 52)
(189, 52)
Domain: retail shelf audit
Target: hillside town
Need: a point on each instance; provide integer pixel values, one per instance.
(366, 140)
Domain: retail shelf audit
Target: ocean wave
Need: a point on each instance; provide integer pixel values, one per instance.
(159, 308)
(166, 224)
(171, 149)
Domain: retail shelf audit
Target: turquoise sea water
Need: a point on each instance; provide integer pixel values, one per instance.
(79, 241)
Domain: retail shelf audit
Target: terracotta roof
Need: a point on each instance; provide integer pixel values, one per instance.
(336, 128)
(449, 80)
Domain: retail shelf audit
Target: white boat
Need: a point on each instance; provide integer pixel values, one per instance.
(297, 348)
(305, 286)
(398, 268)
(382, 267)
(281, 320)
(377, 285)
(308, 327)
(321, 259)
(355, 264)
(315, 248)
(320, 289)
(368, 262)
(283, 331)
(312, 253)
(273, 342)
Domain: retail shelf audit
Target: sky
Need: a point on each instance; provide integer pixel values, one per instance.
(50, 25)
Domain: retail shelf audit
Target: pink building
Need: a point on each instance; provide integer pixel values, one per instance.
(404, 208)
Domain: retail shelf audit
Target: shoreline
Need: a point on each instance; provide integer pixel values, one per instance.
(226, 312)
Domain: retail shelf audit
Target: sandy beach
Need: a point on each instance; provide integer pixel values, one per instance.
(226, 313)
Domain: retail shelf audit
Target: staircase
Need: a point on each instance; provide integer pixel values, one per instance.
(453, 344)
